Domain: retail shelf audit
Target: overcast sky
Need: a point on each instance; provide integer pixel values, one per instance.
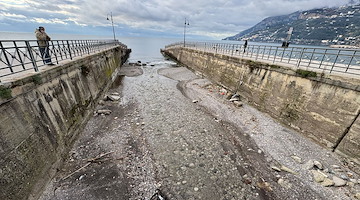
(208, 19)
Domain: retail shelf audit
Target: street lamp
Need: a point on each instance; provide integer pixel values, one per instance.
(186, 24)
(112, 23)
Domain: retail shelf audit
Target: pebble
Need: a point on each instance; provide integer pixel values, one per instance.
(196, 189)
(318, 177)
(327, 182)
(344, 177)
(276, 168)
(318, 164)
(309, 165)
(357, 195)
(338, 182)
(191, 165)
(184, 182)
(284, 168)
(297, 159)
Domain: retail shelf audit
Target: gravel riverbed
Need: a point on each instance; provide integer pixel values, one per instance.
(177, 134)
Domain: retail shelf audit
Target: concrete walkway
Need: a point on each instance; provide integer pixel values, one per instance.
(176, 132)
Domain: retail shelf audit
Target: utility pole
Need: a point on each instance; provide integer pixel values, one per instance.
(112, 23)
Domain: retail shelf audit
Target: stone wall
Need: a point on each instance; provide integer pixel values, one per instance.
(324, 108)
(41, 119)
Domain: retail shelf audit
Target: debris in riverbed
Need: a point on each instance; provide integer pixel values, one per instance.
(103, 112)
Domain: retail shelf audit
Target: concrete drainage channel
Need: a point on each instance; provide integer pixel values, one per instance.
(154, 141)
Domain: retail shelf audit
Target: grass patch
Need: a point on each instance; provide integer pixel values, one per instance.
(36, 79)
(5, 93)
(305, 73)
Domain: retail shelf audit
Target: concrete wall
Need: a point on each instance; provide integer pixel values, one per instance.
(44, 116)
(324, 108)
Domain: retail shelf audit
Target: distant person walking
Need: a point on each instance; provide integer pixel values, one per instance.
(245, 45)
(43, 42)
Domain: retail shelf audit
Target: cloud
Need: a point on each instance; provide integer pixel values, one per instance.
(208, 18)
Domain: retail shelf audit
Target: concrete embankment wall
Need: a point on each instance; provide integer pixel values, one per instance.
(324, 108)
(42, 118)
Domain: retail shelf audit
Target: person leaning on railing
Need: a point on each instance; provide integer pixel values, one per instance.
(43, 42)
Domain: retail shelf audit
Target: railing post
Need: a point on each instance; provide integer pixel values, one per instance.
(29, 48)
(54, 52)
(292, 49)
(275, 54)
(68, 44)
(322, 58)
(312, 55)
(257, 53)
(335, 61)
(299, 61)
(269, 53)
(352, 57)
(6, 58)
(232, 51)
(18, 53)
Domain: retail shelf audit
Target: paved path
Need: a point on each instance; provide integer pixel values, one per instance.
(176, 132)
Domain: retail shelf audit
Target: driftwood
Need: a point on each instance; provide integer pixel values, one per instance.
(89, 161)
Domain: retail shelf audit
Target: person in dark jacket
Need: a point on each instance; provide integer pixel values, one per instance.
(43, 42)
(245, 45)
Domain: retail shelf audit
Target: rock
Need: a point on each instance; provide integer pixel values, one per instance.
(115, 93)
(353, 181)
(195, 101)
(338, 182)
(318, 164)
(238, 103)
(276, 168)
(297, 159)
(350, 184)
(114, 97)
(342, 176)
(318, 177)
(357, 196)
(196, 189)
(234, 99)
(327, 182)
(309, 165)
(284, 183)
(335, 166)
(286, 169)
(105, 112)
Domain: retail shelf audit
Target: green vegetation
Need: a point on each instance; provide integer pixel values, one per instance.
(36, 79)
(5, 93)
(305, 73)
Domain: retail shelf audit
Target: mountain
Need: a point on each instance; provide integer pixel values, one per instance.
(323, 26)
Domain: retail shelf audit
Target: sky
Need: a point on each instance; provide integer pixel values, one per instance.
(207, 19)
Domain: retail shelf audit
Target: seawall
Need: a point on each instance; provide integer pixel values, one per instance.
(42, 115)
(322, 107)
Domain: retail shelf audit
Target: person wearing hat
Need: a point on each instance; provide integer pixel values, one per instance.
(43, 42)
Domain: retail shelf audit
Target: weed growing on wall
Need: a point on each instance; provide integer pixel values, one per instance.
(5, 93)
(305, 73)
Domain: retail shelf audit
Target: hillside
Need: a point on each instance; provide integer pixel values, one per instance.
(324, 26)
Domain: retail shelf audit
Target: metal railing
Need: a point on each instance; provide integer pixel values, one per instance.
(325, 60)
(24, 55)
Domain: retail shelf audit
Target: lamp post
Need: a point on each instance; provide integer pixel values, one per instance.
(186, 24)
(112, 23)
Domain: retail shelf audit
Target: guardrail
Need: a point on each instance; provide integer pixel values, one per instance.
(23, 55)
(325, 60)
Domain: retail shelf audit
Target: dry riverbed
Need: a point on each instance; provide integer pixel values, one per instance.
(163, 132)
